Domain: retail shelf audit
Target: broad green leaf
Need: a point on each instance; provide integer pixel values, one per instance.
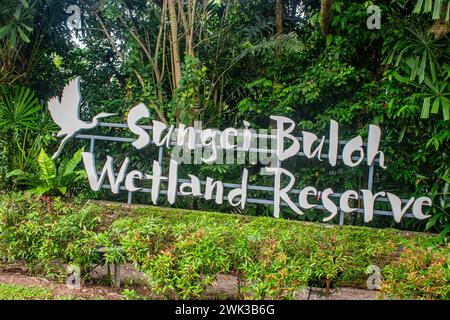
(63, 190)
(444, 232)
(390, 58)
(428, 6)
(431, 85)
(445, 103)
(25, 4)
(422, 67)
(73, 163)
(17, 13)
(400, 55)
(432, 221)
(13, 38)
(413, 64)
(437, 9)
(23, 35)
(4, 31)
(435, 107)
(16, 172)
(418, 6)
(445, 108)
(426, 108)
(62, 166)
(446, 179)
(40, 190)
(28, 28)
(433, 71)
(80, 175)
(47, 165)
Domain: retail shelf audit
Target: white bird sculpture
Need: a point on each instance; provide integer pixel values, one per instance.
(66, 113)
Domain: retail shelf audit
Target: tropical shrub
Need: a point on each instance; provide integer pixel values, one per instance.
(24, 129)
(40, 231)
(182, 252)
(49, 180)
(420, 273)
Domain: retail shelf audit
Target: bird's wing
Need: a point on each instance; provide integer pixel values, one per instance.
(66, 110)
(71, 97)
(54, 106)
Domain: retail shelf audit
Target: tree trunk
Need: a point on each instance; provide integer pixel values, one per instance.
(279, 6)
(325, 16)
(175, 45)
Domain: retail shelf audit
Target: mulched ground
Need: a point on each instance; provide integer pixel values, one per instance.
(225, 287)
(61, 290)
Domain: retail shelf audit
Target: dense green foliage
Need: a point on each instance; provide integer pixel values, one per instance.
(24, 130)
(183, 251)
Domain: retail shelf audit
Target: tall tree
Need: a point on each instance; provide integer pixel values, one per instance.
(325, 16)
(279, 7)
(175, 45)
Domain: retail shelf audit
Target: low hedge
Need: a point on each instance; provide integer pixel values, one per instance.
(182, 251)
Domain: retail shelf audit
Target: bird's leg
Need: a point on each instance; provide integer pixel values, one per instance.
(63, 141)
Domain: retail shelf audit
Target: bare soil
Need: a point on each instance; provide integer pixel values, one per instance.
(61, 290)
(225, 286)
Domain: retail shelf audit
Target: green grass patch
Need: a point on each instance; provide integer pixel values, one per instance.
(20, 292)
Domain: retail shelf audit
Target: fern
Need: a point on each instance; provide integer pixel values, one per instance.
(72, 163)
(50, 180)
(46, 165)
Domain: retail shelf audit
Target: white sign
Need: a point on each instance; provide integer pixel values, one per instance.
(209, 147)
